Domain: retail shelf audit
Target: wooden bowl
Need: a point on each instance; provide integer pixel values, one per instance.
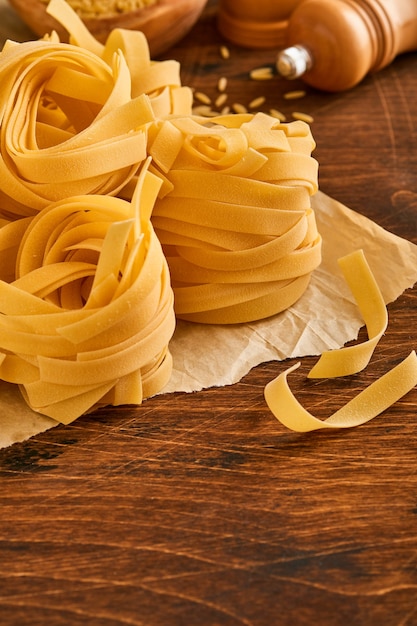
(164, 23)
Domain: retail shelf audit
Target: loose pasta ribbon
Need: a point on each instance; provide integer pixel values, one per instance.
(373, 400)
(352, 359)
(369, 403)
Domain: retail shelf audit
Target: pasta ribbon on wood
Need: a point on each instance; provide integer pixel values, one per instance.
(369, 403)
(373, 400)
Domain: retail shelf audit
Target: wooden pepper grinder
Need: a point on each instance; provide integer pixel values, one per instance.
(333, 44)
(255, 24)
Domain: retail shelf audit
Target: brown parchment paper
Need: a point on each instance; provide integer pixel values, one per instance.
(324, 318)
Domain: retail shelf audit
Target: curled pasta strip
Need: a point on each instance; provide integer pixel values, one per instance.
(89, 315)
(373, 400)
(234, 215)
(369, 403)
(74, 117)
(352, 359)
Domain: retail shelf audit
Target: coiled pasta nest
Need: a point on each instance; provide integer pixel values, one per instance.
(235, 219)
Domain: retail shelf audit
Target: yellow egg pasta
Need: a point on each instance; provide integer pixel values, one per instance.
(85, 285)
(369, 403)
(353, 359)
(373, 400)
(117, 203)
(160, 80)
(235, 216)
(74, 116)
(88, 316)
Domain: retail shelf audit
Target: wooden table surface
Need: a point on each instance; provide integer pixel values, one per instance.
(201, 509)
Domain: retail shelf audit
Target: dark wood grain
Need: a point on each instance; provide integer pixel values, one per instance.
(201, 509)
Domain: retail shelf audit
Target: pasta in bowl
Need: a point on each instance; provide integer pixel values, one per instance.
(163, 22)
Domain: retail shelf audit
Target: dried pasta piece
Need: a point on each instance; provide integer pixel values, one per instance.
(88, 316)
(373, 400)
(235, 217)
(369, 403)
(352, 359)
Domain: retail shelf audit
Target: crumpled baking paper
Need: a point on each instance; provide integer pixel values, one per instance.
(324, 318)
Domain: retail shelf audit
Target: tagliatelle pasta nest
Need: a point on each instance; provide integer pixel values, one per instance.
(74, 117)
(235, 218)
(89, 315)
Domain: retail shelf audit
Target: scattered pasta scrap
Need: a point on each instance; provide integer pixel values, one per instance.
(303, 117)
(235, 217)
(278, 114)
(369, 403)
(222, 83)
(224, 52)
(220, 100)
(256, 103)
(373, 400)
(294, 95)
(362, 283)
(237, 107)
(210, 107)
(261, 73)
(88, 316)
(202, 97)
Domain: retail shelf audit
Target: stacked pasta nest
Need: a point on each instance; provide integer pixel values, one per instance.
(234, 216)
